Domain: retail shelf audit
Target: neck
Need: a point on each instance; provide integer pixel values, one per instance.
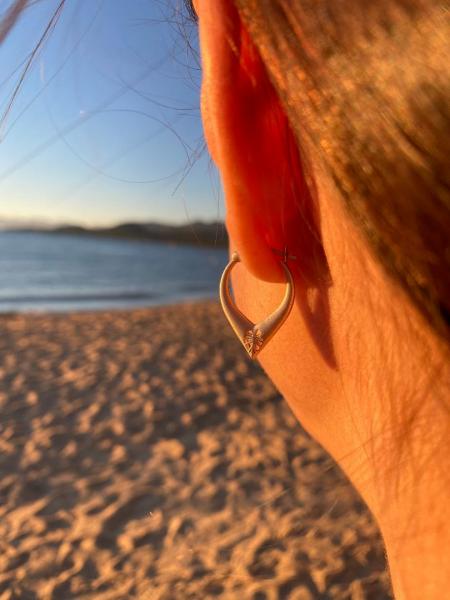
(408, 491)
(420, 569)
(417, 538)
(403, 409)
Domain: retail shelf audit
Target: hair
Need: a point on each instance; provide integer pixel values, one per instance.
(365, 88)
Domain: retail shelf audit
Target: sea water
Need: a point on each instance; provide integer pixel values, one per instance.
(58, 272)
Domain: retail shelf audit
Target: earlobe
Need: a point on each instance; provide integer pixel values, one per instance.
(269, 206)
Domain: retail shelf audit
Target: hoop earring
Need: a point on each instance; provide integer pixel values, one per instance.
(254, 336)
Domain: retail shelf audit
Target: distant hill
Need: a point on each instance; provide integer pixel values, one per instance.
(196, 233)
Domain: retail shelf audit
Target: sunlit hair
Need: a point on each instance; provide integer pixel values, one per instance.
(365, 87)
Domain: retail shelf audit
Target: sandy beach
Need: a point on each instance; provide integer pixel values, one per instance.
(142, 455)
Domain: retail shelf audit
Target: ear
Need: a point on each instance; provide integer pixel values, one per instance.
(269, 205)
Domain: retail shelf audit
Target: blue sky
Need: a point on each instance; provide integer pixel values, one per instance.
(106, 127)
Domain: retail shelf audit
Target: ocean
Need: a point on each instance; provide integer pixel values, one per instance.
(44, 272)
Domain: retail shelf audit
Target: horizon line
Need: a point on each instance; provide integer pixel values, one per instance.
(7, 222)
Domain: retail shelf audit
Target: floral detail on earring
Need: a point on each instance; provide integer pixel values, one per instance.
(253, 340)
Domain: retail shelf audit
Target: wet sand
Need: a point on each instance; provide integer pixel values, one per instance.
(142, 455)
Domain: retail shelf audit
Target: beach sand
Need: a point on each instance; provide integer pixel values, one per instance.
(142, 455)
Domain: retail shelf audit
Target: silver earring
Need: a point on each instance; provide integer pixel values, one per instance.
(254, 336)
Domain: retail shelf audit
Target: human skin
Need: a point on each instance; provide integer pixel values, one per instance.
(357, 364)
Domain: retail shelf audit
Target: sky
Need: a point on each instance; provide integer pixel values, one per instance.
(106, 126)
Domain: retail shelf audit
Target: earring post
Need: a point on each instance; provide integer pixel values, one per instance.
(284, 253)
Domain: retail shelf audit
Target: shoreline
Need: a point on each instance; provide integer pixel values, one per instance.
(144, 456)
(213, 297)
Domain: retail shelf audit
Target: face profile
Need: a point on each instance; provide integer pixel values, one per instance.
(296, 118)
(237, 390)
